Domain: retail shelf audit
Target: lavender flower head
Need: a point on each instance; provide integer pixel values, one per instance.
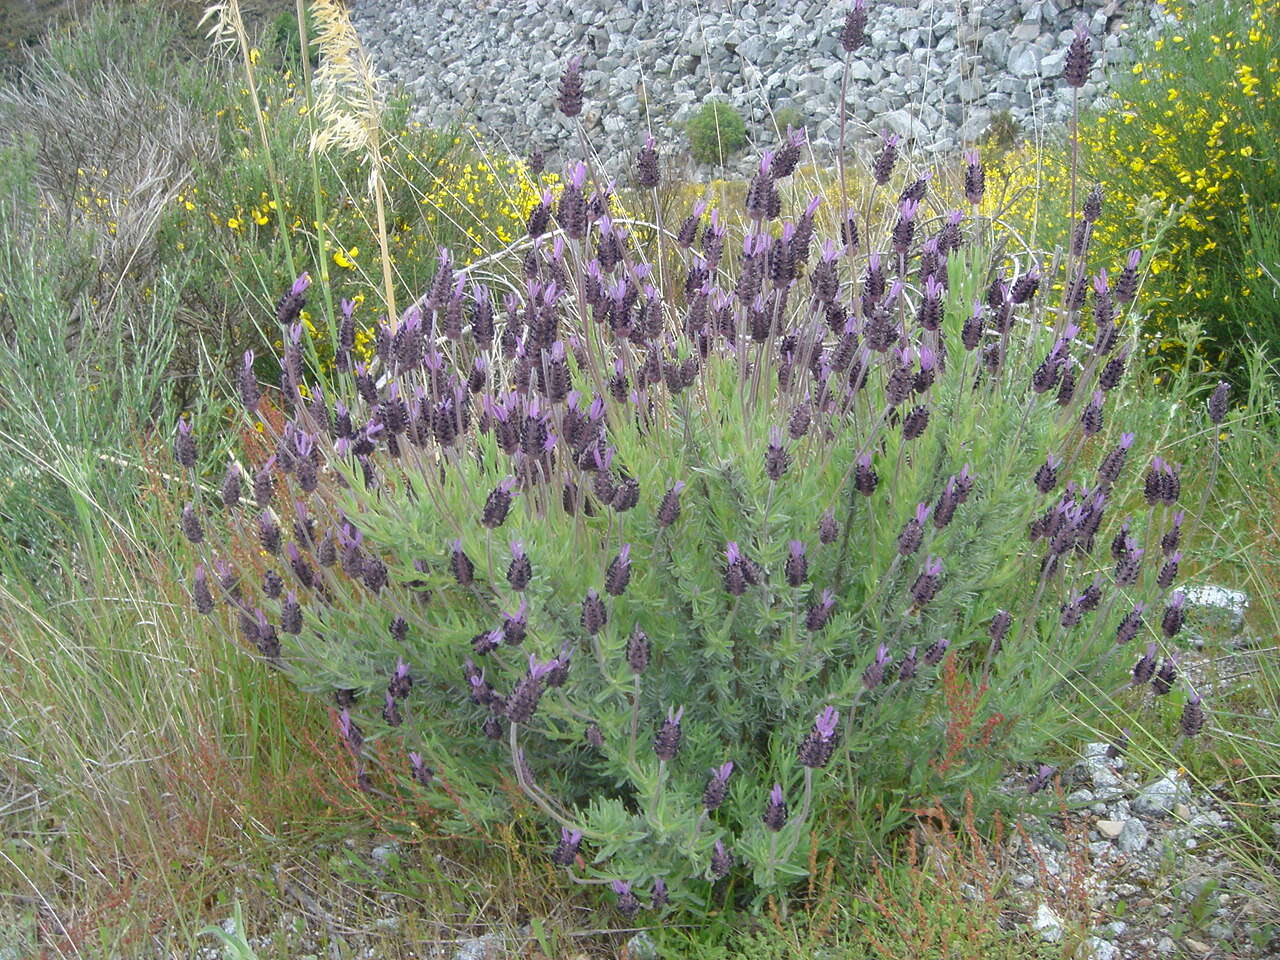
(874, 673)
(1145, 667)
(570, 99)
(775, 812)
(647, 175)
(1218, 403)
(1192, 720)
(1075, 71)
(717, 788)
(666, 743)
(819, 744)
(721, 861)
(975, 178)
(1040, 779)
(926, 584)
(619, 573)
(628, 905)
(566, 850)
(638, 650)
(882, 169)
(422, 773)
(1174, 615)
(184, 445)
(853, 34)
(797, 566)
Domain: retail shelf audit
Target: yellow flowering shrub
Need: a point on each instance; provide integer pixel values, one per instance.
(442, 190)
(1187, 155)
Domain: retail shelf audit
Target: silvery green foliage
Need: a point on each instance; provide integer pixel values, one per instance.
(685, 561)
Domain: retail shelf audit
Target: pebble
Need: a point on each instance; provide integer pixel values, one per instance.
(1109, 828)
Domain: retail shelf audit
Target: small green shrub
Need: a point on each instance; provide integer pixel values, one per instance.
(1003, 132)
(716, 132)
(785, 118)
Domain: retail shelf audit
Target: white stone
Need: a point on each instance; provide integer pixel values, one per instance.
(1047, 923)
(1111, 829)
(1100, 949)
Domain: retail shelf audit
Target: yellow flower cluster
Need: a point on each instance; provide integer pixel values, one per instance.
(1187, 158)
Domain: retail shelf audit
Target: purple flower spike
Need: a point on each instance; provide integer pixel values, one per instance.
(618, 575)
(1174, 615)
(1040, 779)
(666, 743)
(717, 788)
(1192, 721)
(659, 899)
(1145, 667)
(461, 565)
(975, 180)
(797, 567)
(1075, 71)
(775, 813)
(927, 583)
(422, 773)
(570, 99)
(721, 861)
(820, 615)
(184, 445)
(1218, 403)
(200, 594)
(566, 850)
(853, 34)
(937, 650)
(874, 673)
(520, 570)
(819, 744)
(628, 905)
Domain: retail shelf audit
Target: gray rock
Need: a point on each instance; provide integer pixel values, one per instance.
(1214, 606)
(383, 854)
(1158, 798)
(488, 947)
(1024, 61)
(905, 125)
(641, 947)
(1133, 838)
(1100, 949)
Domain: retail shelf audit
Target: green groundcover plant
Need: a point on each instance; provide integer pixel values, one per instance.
(687, 564)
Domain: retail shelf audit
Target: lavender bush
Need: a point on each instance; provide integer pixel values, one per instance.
(686, 561)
